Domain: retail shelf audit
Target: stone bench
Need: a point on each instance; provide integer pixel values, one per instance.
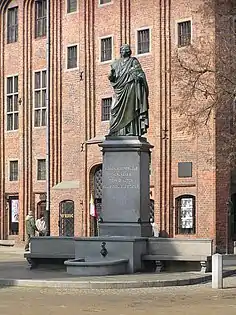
(50, 250)
(160, 250)
(229, 260)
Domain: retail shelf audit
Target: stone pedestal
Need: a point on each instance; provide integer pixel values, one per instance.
(126, 189)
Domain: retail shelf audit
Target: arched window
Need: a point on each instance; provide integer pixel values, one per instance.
(185, 206)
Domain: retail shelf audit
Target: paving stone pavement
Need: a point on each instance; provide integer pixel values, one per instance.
(193, 300)
(14, 270)
(189, 300)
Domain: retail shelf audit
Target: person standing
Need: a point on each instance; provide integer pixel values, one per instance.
(30, 228)
(41, 225)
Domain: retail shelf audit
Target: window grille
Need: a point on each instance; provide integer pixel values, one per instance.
(144, 41)
(106, 108)
(106, 49)
(184, 33)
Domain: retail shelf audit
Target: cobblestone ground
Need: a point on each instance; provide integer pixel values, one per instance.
(193, 300)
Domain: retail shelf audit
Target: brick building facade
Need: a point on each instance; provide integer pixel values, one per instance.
(189, 187)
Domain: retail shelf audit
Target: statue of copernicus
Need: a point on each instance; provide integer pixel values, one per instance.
(129, 110)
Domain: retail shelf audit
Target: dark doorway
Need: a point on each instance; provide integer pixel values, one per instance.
(41, 209)
(66, 218)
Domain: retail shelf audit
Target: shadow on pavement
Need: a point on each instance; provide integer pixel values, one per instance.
(20, 270)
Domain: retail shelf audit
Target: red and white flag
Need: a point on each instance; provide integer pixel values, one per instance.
(93, 211)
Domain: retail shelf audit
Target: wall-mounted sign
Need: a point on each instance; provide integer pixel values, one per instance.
(14, 210)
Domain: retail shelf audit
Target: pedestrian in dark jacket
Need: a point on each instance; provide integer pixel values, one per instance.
(30, 228)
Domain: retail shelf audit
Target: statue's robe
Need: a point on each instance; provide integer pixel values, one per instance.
(129, 110)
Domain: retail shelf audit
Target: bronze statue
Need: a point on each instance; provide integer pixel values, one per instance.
(129, 110)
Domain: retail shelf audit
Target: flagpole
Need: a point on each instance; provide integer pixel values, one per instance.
(48, 177)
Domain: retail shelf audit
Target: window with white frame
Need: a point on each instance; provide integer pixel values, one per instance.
(12, 103)
(40, 91)
(12, 25)
(41, 169)
(106, 108)
(143, 41)
(185, 214)
(13, 171)
(104, 1)
(106, 49)
(72, 54)
(184, 33)
(71, 6)
(40, 18)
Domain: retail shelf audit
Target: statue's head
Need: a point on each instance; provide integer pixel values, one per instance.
(125, 50)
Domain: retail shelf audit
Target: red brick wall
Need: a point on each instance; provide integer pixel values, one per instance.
(76, 110)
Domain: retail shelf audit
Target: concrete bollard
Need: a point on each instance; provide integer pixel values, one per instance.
(217, 271)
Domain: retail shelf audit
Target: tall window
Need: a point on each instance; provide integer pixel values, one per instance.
(185, 214)
(40, 18)
(71, 6)
(13, 174)
(106, 108)
(12, 25)
(144, 41)
(40, 90)
(12, 103)
(104, 1)
(106, 49)
(41, 169)
(72, 57)
(184, 33)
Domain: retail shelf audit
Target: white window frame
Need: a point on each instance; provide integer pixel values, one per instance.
(6, 95)
(9, 170)
(36, 34)
(177, 22)
(102, 98)
(101, 5)
(69, 13)
(150, 40)
(10, 8)
(66, 54)
(34, 108)
(37, 165)
(112, 47)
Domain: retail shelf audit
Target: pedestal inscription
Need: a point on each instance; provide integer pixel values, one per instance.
(121, 177)
(125, 200)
